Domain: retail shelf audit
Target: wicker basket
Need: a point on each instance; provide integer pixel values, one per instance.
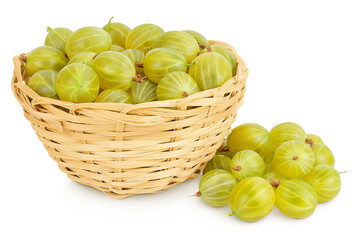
(125, 149)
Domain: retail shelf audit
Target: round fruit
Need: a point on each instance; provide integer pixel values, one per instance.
(116, 48)
(293, 159)
(159, 62)
(88, 39)
(83, 57)
(57, 38)
(296, 198)
(115, 70)
(202, 41)
(224, 52)
(143, 36)
(218, 162)
(284, 132)
(43, 83)
(250, 136)
(210, 70)
(113, 96)
(312, 139)
(137, 57)
(323, 155)
(215, 187)
(252, 199)
(143, 91)
(117, 31)
(77, 83)
(247, 164)
(45, 58)
(180, 41)
(176, 85)
(326, 182)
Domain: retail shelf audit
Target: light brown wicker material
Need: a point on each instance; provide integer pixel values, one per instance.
(126, 149)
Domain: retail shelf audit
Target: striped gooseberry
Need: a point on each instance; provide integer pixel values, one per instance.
(202, 41)
(88, 39)
(137, 57)
(224, 52)
(250, 136)
(323, 155)
(45, 58)
(57, 37)
(175, 85)
(143, 91)
(210, 70)
(215, 187)
(143, 36)
(113, 96)
(43, 83)
(118, 32)
(218, 162)
(77, 83)
(326, 182)
(284, 132)
(159, 62)
(116, 48)
(247, 164)
(311, 139)
(296, 198)
(252, 199)
(180, 41)
(293, 159)
(83, 57)
(115, 70)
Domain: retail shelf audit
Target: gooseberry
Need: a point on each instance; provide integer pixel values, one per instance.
(284, 132)
(247, 164)
(218, 162)
(43, 83)
(57, 38)
(143, 36)
(113, 96)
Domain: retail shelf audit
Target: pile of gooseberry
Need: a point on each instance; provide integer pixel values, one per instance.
(254, 170)
(122, 65)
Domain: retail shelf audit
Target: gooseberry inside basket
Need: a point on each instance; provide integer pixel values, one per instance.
(128, 149)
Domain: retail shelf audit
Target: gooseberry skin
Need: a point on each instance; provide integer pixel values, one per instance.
(43, 83)
(202, 41)
(250, 136)
(113, 96)
(159, 62)
(252, 199)
(224, 150)
(118, 32)
(115, 70)
(284, 132)
(272, 176)
(323, 155)
(247, 164)
(180, 41)
(116, 48)
(210, 70)
(326, 182)
(88, 39)
(224, 52)
(143, 92)
(143, 36)
(57, 38)
(137, 57)
(215, 187)
(176, 85)
(218, 162)
(296, 198)
(45, 58)
(77, 83)
(293, 159)
(314, 138)
(83, 57)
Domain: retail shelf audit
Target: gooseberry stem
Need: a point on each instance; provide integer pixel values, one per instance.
(295, 157)
(342, 172)
(209, 49)
(48, 29)
(275, 183)
(138, 78)
(310, 142)
(202, 46)
(198, 194)
(223, 149)
(139, 64)
(230, 214)
(96, 56)
(237, 168)
(185, 94)
(147, 48)
(191, 64)
(110, 20)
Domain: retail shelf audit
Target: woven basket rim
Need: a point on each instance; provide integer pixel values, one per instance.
(241, 71)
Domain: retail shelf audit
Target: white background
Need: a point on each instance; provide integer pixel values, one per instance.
(304, 63)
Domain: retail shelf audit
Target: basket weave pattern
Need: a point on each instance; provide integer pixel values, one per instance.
(126, 149)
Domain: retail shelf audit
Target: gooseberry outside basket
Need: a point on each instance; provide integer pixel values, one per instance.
(126, 149)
